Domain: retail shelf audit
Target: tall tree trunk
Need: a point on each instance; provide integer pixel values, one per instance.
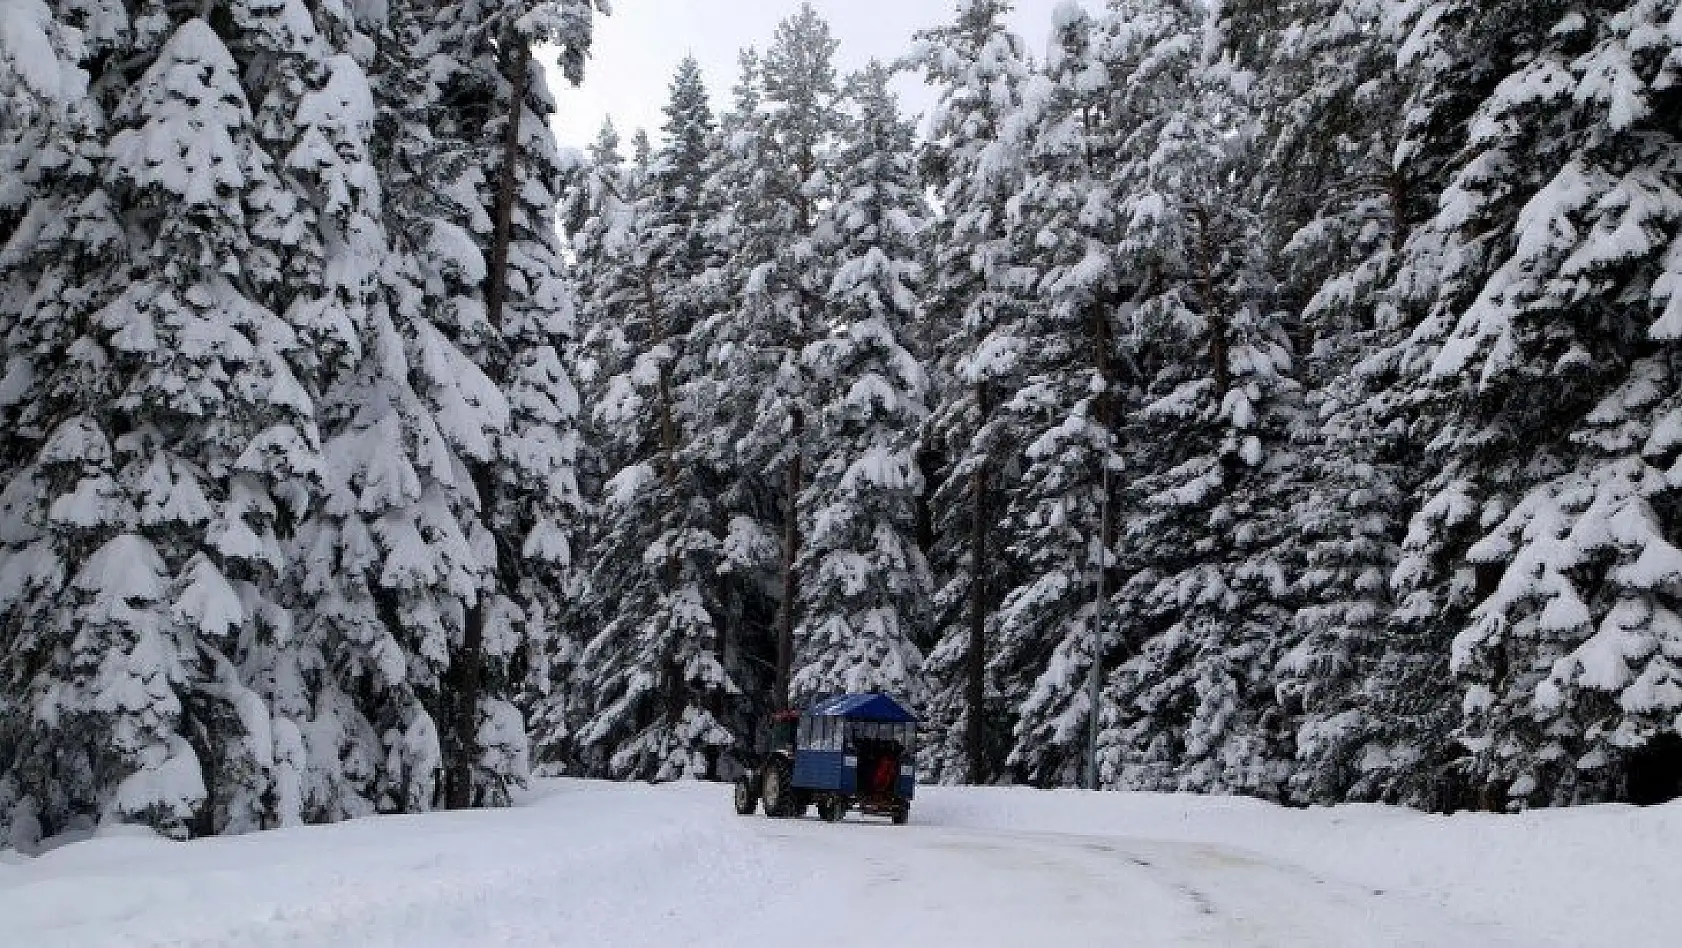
(1104, 414)
(1103, 361)
(668, 426)
(806, 165)
(928, 464)
(470, 661)
(1398, 191)
(791, 576)
(1218, 341)
(975, 664)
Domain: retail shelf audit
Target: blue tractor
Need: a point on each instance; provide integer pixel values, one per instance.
(844, 753)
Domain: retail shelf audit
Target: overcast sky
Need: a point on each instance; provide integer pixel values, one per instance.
(639, 47)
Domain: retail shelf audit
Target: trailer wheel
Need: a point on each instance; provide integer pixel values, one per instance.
(746, 799)
(831, 808)
(777, 795)
(902, 813)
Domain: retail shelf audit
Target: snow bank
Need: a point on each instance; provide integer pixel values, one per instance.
(574, 867)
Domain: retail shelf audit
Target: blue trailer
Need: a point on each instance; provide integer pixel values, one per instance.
(848, 752)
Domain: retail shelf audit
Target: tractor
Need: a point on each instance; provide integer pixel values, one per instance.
(843, 753)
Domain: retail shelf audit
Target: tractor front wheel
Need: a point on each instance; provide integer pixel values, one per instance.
(775, 791)
(746, 799)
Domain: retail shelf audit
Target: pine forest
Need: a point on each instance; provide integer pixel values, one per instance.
(1279, 398)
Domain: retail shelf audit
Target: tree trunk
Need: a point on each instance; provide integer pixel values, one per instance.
(975, 665)
(1399, 231)
(928, 464)
(469, 662)
(1103, 346)
(1218, 342)
(806, 165)
(668, 427)
(791, 577)
(496, 292)
(1104, 414)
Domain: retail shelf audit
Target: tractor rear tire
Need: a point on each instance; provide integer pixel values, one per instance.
(746, 799)
(775, 792)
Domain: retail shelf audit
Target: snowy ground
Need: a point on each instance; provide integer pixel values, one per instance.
(604, 865)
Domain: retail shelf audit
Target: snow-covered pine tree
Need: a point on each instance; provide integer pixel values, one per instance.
(1546, 370)
(1209, 471)
(316, 117)
(42, 102)
(787, 293)
(490, 234)
(778, 164)
(1066, 405)
(748, 499)
(175, 443)
(599, 214)
(655, 684)
(1337, 209)
(380, 565)
(538, 497)
(864, 583)
(978, 297)
(699, 237)
(49, 145)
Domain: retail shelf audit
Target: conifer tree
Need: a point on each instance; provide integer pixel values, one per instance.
(780, 270)
(1340, 209)
(1543, 360)
(509, 412)
(864, 583)
(978, 295)
(1066, 406)
(1207, 592)
(174, 444)
(657, 685)
(599, 214)
(747, 498)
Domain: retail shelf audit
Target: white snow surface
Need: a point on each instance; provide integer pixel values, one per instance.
(594, 864)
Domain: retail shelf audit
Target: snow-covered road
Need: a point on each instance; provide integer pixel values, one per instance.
(958, 886)
(608, 865)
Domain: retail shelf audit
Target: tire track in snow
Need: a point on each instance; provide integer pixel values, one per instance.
(935, 886)
(1265, 902)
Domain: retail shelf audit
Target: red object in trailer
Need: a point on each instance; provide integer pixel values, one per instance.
(882, 781)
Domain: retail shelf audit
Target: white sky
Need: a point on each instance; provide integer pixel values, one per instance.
(639, 47)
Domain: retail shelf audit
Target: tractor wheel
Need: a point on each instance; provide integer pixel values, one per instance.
(831, 808)
(902, 813)
(746, 799)
(777, 795)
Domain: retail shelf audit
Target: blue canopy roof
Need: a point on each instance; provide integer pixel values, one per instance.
(862, 708)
